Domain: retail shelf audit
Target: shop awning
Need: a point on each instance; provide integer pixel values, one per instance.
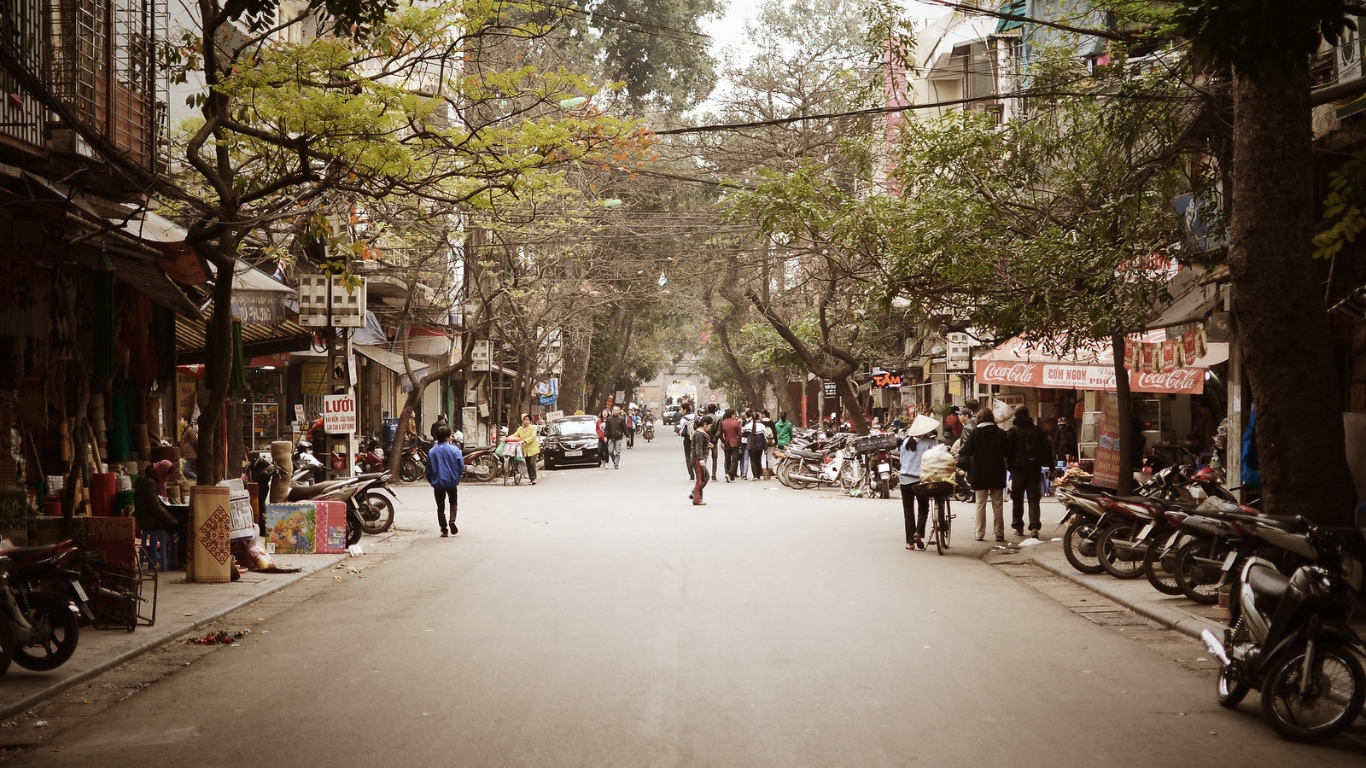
(389, 359)
(1192, 300)
(142, 275)
(1019, 363)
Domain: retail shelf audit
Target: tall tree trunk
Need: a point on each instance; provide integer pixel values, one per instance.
(1278, 305)
(577, 348)
(1124, 411)
(783, 393)
(217, 371)
(849, 401)
(599, 398)
(751, 392)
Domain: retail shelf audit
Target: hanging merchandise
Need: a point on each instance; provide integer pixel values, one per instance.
(119, 444)
(102, 283)
(1188, 346)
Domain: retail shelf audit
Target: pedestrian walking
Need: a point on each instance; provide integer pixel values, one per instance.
(756, 442)
(953, 426)
(701, 447)
(920, 438)
(1029, 451)
(730, 439)
(744, 445)
(530, 447)
(770, 440)
(440, 422)
(445, 465)
(711, 411)
(685, 420)
(968, 416)
(189, 448)
(616, 433)
(602, 438)
(984, 456)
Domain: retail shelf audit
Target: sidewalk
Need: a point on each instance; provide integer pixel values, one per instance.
(181, 608)
(1178, 613)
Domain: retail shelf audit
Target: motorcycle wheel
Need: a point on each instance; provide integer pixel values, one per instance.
(1198, 570)
(885, 489)
(409, 471)
(491, 467)
(1112, 559)
(800, 483)
(6, 645)
(1329, 706)
(56, 631)
(1228, 689)
(1159, 565)
(1072, 542)
(353, 525)
(376, 505)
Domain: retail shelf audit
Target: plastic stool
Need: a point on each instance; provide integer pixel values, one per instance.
(160, 546)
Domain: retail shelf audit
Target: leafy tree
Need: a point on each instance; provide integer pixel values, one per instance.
(1277, 302)
(298, 130)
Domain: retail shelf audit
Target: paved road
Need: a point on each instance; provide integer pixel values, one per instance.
(599, 620)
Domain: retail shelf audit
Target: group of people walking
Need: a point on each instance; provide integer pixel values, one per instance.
(747, 442)
(991, 456)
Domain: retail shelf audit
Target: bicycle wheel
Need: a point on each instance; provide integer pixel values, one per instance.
(519, 471)
(941, 524)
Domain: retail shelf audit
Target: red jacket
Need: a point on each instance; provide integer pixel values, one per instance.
(730, 432)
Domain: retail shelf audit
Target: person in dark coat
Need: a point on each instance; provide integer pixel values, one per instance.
(1029, 452)
(984, 456)
(1064, 439)
(149, 511)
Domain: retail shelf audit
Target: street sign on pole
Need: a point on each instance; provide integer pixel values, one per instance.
(339, 414)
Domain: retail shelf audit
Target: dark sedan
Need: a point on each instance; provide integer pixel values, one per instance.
(571, 441)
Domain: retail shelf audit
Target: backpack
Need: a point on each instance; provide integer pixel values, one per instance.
(1027, 449)
(757, 437)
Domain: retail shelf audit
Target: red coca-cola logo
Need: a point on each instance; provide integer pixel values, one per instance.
(1019, 373)
(1179, 380)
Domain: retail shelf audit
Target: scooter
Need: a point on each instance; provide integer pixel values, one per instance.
(39, 630)
(376, 511)
(649, 433)
(369, 456)
(482, 465)
(1290, 637)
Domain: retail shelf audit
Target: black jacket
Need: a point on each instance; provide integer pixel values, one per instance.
(1030, 450)
(984, 453)
(151, 514)
(614, 427)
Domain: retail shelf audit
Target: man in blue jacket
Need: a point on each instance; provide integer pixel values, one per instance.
(445, 465)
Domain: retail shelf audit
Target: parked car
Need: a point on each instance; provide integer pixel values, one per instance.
(570, 441)
(671, 414)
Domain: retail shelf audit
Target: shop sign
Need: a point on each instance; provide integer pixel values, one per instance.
(313, 378)
(339, 414)
(887, 380)
(258, 307)
(1105, 473)
(1182, 381)
(830, 390)
(553, 415)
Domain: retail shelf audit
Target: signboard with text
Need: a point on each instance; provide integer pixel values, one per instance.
(1182, 381)
(339, 414)
(1106, 471)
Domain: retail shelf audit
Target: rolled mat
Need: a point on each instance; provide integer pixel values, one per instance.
(210, 560)
(282, 453)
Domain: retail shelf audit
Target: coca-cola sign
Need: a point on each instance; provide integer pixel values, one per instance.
(1018, 374)
(1182, 381)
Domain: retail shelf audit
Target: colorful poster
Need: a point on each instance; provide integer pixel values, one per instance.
(1106, 471)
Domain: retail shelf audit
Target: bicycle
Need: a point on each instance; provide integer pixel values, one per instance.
(941, 525)
(514, 461)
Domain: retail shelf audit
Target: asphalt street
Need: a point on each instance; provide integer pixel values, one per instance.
(599, 620)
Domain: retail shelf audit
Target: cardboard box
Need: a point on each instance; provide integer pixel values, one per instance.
(292, 528)
(331, 539)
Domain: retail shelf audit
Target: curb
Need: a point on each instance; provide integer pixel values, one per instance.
(155, 639)
(1170, 618)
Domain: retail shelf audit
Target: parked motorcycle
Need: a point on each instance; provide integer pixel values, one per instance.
(376, 511)
(369, 456)
(1290, 638)
(413, 464)
(482, 465)
(263, 471)
(307, 466)
(39, 629)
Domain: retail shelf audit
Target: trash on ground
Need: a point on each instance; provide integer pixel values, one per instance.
(219, 638)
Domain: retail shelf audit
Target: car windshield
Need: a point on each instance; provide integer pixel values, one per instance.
(575, 428)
